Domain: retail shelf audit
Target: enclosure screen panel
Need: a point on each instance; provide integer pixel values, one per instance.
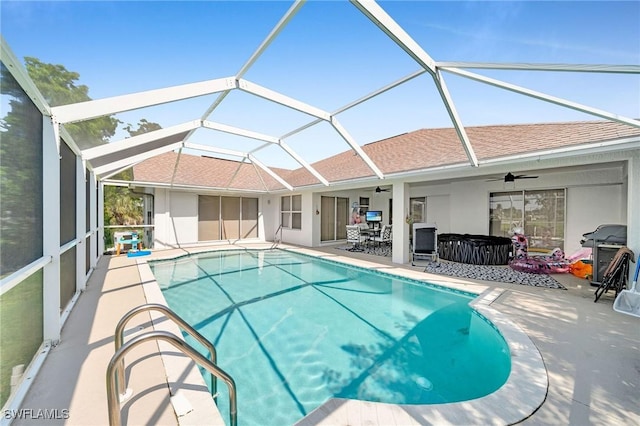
(21, 183)
(21, 325)
(87, 255)
(67, 194)
(67, 277)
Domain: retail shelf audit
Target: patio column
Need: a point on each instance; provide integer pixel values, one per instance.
(93, 222)
(400, 252)
(81, 275)
(633, 206)
(100, 217)
(51, 232)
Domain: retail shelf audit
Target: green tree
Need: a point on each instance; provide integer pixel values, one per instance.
(121, 205)
(144, 126)
(59, 86)
(20, 183)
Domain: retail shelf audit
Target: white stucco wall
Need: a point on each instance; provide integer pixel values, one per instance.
(176, 219)
(595, 196)
(588, 207)
(439, 212)
(176, 216)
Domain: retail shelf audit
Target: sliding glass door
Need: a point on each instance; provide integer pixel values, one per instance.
(334, 218)
(540, 214)
(227, 218)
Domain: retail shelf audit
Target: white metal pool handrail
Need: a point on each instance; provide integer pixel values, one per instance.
(119, 341)
(113, 401)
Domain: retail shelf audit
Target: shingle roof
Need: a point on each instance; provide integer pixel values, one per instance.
(417, 150)
(194, 170)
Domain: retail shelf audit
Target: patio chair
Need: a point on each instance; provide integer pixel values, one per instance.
(355, 237)
(425, 241)
(384, 237)
(617, 273)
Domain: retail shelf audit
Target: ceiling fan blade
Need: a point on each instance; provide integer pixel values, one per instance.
(525, 177)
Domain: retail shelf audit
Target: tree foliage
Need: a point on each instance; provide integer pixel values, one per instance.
(121, 205)
(59, 86)
(20, 177)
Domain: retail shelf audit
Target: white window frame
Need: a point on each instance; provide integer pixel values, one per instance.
(290, 212)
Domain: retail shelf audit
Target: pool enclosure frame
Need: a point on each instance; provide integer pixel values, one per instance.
(96, 164)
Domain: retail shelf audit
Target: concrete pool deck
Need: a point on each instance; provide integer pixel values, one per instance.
(591, 353)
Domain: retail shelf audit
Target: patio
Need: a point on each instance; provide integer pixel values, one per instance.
(590, 351)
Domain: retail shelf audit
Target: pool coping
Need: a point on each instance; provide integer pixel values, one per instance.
(522, 394)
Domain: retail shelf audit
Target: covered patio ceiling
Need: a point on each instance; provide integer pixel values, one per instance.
(109, 159)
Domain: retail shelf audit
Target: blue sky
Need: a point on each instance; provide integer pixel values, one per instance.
(329, 55)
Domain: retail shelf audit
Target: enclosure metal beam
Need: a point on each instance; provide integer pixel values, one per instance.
(107, 106)
(99, 151)
(255, 161)
(358, 101)
(135, 159)
(394, 31)
(357, 148)
(19, 72)
(281, 99)
(303, 163)
(295, 7)
(544, 97)
(107, 175)
(233, 176)
(597, 68)
(293, 10)
(215, 150)
(239, 132)
(455, 119)
(270, 141)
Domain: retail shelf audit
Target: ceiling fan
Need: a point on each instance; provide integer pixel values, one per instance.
(379, 190)
(510, 177)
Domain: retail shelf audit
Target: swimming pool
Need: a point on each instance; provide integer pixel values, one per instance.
(295, 330)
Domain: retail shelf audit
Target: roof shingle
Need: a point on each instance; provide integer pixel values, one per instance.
(417, 150)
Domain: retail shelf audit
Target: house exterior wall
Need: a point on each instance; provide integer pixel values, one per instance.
(595, 195)
(593, 198)
(176, 218)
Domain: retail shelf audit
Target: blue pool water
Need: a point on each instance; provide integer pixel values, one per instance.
(295, 330)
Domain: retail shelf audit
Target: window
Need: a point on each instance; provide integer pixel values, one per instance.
(364, 205)
(417, 214)
(540, 214)
(291, 212)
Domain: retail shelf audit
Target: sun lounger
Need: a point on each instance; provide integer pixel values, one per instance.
(424, 242)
